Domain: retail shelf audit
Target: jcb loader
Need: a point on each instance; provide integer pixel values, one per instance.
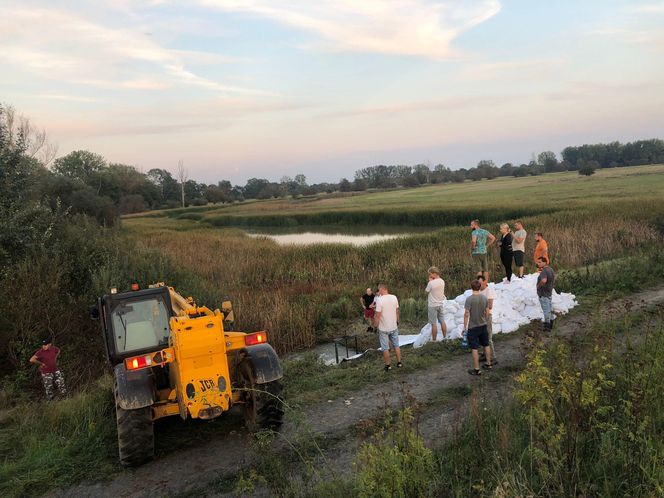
(172, 357)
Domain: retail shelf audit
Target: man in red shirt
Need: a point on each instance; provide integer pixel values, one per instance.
(46, 358)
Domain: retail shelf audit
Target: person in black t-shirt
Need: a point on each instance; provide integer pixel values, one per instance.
(368, 304)
(506, 253)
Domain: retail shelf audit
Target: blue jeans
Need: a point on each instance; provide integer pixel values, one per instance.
(545, 303)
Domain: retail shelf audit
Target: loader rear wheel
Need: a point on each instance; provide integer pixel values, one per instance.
(263, 407)
(135, 435)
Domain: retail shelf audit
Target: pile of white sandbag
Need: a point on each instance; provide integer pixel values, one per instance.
(516, 304)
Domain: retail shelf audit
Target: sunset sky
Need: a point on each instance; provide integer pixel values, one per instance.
(259, 88)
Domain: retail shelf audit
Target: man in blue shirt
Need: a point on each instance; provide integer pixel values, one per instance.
(480, 240)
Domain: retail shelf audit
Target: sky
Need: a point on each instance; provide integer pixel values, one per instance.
(257, 88)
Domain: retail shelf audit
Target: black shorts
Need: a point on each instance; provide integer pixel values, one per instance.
(518, 258)
(478, 336)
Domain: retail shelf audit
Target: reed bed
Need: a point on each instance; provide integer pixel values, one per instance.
(302, 295)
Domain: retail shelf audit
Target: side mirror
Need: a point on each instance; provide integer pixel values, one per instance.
(94, 313)
(227, 310)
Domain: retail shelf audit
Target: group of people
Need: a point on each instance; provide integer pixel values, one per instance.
(382, 311)
(512, 248)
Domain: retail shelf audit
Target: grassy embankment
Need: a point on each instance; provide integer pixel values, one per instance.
(297, 292)
(585, 419)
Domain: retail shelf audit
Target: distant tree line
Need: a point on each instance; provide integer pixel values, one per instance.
(87, 183)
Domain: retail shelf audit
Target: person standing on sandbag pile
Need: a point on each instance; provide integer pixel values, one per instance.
(545, 281)
(386, 321)
(435, 300)
(519, 247)
(480, 240)
(474, 323)
(506, 252)
(490, 295)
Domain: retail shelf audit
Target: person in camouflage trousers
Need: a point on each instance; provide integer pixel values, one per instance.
(52, 377)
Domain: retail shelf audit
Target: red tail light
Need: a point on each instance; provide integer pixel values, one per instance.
(255, 338)
(134, 287)
(138, 362)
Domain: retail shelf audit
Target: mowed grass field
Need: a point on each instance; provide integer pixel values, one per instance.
(303, 295)
(550, 191)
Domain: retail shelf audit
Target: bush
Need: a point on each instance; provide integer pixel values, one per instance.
(396, 463)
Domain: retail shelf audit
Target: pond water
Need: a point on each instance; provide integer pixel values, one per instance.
(357, 235)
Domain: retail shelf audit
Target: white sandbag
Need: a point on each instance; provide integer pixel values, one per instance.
(516, 304)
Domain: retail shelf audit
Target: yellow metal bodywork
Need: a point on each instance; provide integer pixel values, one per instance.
(200, 353)
(200, 373)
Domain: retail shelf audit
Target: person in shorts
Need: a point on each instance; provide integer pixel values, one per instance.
(519, 247)
(386, 321)
(436, 298)
(368, 305)
(474, 322)
(480, 240)
(490, 295)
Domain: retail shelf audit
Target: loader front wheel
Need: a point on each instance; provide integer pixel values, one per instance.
(135, 435)
(262, 404)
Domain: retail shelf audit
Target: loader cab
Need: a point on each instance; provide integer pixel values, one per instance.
(135, 322)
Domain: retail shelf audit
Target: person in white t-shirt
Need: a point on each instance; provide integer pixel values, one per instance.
(386, 321)
(490, 295)
(519, 246)
(435, 300)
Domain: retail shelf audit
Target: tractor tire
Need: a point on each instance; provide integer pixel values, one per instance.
(262, 403)
(135, 435)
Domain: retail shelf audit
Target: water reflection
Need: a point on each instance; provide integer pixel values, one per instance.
(308, 238)
(341, 229)
(357, 235)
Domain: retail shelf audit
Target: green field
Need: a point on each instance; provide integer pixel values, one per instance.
(440, 205)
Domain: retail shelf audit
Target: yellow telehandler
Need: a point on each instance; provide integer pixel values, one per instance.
(172, 357)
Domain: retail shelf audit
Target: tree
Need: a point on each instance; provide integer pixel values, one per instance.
(360, 184)
(37, 145)
(548, 161)
(182, 177)
(588, 168)
(345, 185)
(507, 169)
(301, 180)
(166, 185)
(24, 223)
(80, 165)
(410, 181)
(485, 169)
(422, 173)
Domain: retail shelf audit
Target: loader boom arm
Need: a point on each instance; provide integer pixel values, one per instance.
(179, 303)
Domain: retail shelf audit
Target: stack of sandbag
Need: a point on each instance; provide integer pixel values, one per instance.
(516, 304)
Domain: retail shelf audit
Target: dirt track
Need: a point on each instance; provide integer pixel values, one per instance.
(193, 468)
